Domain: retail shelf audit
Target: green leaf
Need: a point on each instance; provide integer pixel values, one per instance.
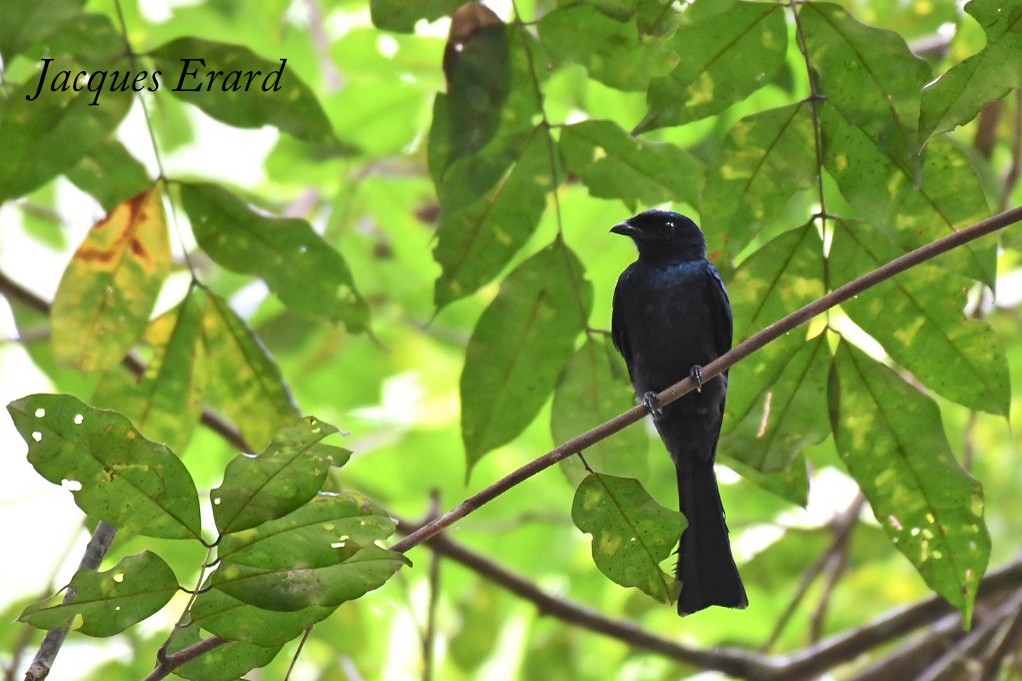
(110, 174)
(400, 15)
(868, 74)
(308, 275)
(242, 378)
(227, 617)
(311, 535)
(165, 403)
(791, 485)
(632, 534)
(107, 603)
(479, 237)
(25, 24)
(114, 473)
(519, 346)
(948, 197)
(610, 49)
(594, 388)
(765, 159)
(284, 477)
(108, 290)
(614, 165)
(789, 415)
(891, 439)
(918, 317)
(960, 93)
(348, 574)
(779, 278)
(49, 135)
(227, 662)
(490, 102)
(250, 93)
(724, 58)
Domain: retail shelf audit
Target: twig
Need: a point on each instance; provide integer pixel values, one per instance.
(993, 660)
(717, 366)
(167, 665)
(834, 563)
(429, 632)
(961, 652)
(849, 645)
(841, 527)
(808, 662)
(298, 652)
(96, 549)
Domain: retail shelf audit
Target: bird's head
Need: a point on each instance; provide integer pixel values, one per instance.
(663, 235)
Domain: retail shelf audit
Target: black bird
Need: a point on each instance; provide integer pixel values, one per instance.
(671, 317)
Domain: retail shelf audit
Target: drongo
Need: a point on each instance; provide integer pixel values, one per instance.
(671, 317)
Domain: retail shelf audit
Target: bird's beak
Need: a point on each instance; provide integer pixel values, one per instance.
(626, 229)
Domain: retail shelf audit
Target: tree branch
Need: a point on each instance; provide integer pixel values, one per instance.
(808, 662)
(717, 366)
(96, 549)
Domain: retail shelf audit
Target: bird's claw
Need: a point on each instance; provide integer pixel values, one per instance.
(696, 374)
(652, 404)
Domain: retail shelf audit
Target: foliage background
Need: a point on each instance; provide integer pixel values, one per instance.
(371, 188)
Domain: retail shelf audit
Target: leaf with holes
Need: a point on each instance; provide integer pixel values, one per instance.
(725, 57)
(308, 275)
(594, 388)
(243, 379)
(519, 347)
(107, 603)
(918, 317)
(284, 477)
(227, 617)
(165, 403)
(114, 473)
(344, 574)
(632, 534)
(891, 439)
(108, 290)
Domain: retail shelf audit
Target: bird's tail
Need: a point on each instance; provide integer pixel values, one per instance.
(706, 568)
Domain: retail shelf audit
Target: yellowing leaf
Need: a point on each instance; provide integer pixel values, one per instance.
(110, 286)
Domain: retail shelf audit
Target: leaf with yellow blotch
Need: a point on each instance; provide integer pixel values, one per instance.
(110, 286)
(165, 402)
(243, 380)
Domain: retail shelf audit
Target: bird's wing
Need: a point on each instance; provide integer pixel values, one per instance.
(618, 333)
(723, 325)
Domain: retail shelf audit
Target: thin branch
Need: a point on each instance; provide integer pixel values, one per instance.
(847, 646)
(168, 664)
(429, 632)
(962, 652)
(717, 366)
(841, 528)
(96, 549)
(808, 662)
(298, 652)
(1009, 638)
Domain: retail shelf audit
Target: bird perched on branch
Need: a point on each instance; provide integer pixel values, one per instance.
(671, 317)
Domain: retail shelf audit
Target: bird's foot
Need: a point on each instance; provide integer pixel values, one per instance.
(652, 404)
(696, 374)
